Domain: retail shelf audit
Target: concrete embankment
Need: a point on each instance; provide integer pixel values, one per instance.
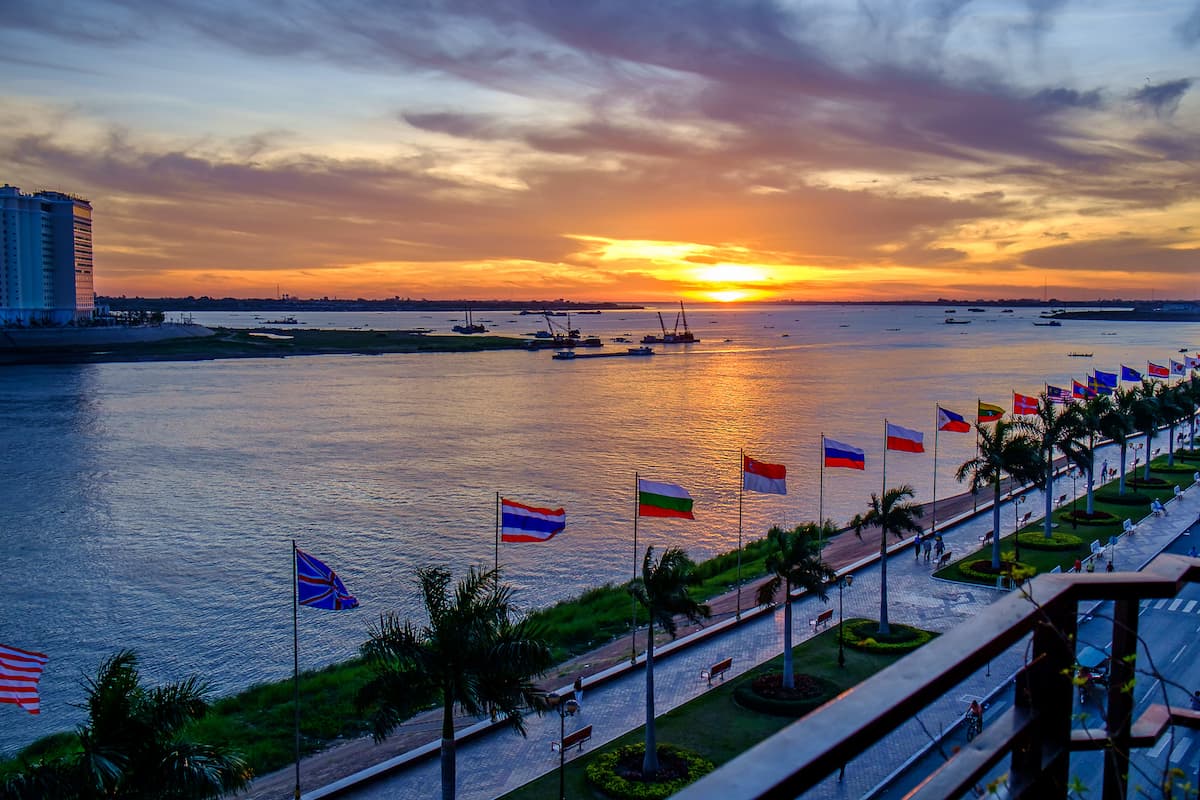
(30, 339)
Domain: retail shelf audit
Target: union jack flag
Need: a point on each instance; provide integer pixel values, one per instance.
(317, 586)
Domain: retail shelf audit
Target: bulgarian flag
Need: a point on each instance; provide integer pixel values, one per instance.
(663, 500)
(989, 412)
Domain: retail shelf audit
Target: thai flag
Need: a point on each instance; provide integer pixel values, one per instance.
(905, 440)
(1157, 370)
(317, 586)
(838, 454)
(1024, 404)
(522, 523)
(949, 421)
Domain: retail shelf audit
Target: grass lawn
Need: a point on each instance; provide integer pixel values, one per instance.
(712, 724)
(1135, 505)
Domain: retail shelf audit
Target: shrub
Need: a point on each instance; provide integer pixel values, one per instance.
(1081, 517)
(605, 772)
(863, 634)
(754, 693)
(1058, 540)
(982, 570)
(1150, 483)
(1133, 498)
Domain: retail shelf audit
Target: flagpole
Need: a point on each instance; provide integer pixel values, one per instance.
(296, 666)
(975, 495)
(885, 422)
(741, 492)
(497, 562)
(933, 513)
(633, 626)
(821, 494)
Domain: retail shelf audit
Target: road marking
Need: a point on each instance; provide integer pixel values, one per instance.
(1160, 604)
(1177, 753)
(1175, 657)
(1175, 604)
(1156, 751)
(1190, 605)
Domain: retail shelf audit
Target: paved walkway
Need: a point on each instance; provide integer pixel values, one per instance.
(495, 762)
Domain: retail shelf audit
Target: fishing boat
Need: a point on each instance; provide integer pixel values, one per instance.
(1051, 324)
(950, 321)
(1080, 355)
(675, 336)
(470, 327)
(284, 321)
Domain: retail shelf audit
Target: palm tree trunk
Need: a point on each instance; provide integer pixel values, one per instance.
(1124, 448)
(996, 528)
(789, 681)
(1091, 478)
(1046, 523)
(650, 759)
(449, 777)
(1146, 466)
(884, 628)
(1171, 444)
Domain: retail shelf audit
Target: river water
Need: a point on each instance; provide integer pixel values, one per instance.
(152, 506)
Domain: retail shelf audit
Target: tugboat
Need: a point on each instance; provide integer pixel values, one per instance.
(675, 336)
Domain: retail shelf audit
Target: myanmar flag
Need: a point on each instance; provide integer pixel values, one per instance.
(989, 412)
(663, 500)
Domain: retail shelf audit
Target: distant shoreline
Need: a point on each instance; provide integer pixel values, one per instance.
(224, 343)
(1131, 316)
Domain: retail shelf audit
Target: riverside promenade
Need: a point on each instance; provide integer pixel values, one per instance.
(492, 762)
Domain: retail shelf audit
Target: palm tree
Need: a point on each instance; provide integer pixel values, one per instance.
(794, 561)
(1054, 428)
(133, 745)
(1091, 418)
(474, 653)
(1146, 416)
(1174, 406)
(663, 592)
(1117, 424)
(1004, 449)
(890, 515)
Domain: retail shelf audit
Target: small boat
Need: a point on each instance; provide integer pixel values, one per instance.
(641, 351)
(1183, 349)
(1080, 355)
(564, 355)
(949, 311)
(470, 326)
(1051, 324)
(284, 321)
(1007, 311)
(977, 310)
(957, 321)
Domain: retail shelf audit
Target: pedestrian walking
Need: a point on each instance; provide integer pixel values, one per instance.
(579, 689)
(1078, 565)
(1091, 565)
(939, 547)
(917, 546)
(1109, 568)
(928, 548)
(1192, 552)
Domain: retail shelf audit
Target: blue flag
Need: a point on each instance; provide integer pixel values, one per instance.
(1108, 379)
(1129, 374)
(317, 586)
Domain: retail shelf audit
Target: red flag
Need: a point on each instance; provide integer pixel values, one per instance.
(759, 476)
(1157, 370)
(1024, 404)
(905, 439)
(19, 673)
(949, 421)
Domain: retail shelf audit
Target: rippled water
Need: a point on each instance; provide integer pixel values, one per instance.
(152, 506)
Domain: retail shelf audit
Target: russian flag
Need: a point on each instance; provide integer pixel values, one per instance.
(949, 421)
(905, 439)
(1157, 370)
(843, 455)
(522, 523)
(759, 476)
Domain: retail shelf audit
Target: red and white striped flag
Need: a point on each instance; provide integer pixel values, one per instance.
(19, 673)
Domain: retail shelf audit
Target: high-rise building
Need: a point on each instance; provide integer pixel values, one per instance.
(45, 258)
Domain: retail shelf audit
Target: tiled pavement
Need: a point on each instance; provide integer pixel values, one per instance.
(499, 761)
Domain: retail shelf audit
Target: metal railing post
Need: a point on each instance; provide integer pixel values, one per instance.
(1120, 698)
(1041, 762)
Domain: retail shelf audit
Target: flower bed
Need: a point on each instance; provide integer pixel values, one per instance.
(765, 692)
(863, 634)
(1036, 540)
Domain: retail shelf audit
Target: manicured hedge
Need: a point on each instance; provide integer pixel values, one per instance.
(1099, 518)
(1036, 540)
(601, 773)
(747, 697)
(862, 634)
(1014, 570)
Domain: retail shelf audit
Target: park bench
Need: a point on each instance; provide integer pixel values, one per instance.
(1127, 526)
(986, 539)
(575, 739)
(944, 560)
(719, 669)
(1156, 508)
(1096, 547)
(821, 620)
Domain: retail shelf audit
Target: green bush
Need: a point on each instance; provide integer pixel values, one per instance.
(746, 696)
(1178, 469)
(602, 774)
(1130, 498)
(1036, 540)
(1098, 518)
(1014, 570)
(863, 634)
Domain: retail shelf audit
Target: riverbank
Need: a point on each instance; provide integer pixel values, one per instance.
(1136, 315)
(102, 346)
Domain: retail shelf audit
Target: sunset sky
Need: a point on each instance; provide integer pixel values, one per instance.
(617, 149)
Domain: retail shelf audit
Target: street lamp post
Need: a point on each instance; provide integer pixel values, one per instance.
(566, 705)
(1017, 503)
(1074, 497)
(843, 581)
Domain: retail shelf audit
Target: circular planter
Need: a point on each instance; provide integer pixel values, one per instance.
(618, 773)
(764, 692)
(1057, 541)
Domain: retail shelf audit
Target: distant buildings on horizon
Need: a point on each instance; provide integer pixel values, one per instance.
(45, 258)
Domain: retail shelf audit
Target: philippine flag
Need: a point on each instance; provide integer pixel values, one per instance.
(522, 523)
(759, 476)
(949, 421)
(1024, 404)
(1157, 370)
(838, 454)
(905, 439)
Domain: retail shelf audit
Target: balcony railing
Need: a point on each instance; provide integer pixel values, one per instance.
(1035, 734)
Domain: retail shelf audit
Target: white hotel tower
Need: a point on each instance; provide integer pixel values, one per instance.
(46, 264)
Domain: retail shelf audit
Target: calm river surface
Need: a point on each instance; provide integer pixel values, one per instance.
(152, 506)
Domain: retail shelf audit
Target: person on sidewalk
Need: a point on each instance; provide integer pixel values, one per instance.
(917, 546)
(579, 689)
(1091, 565)
(1078, 566)
(939, 547)
(928, 549)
